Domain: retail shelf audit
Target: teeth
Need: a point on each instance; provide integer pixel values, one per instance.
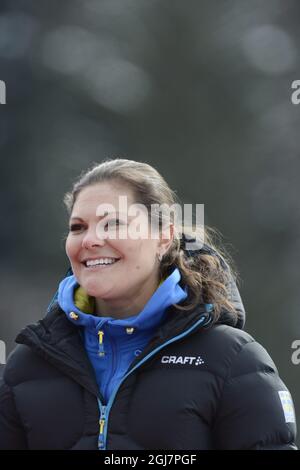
(95, 262)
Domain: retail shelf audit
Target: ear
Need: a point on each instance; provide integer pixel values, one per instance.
(166, 238)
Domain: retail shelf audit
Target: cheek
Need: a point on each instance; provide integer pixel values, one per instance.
(70, 247)
(144, 256)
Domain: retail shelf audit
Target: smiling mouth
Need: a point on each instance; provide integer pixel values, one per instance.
(100, 263)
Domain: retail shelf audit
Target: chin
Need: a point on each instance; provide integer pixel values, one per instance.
(95, 291)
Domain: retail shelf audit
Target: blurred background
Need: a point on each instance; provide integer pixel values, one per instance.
(201, 90)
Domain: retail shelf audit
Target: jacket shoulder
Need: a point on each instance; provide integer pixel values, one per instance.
(234, 352)
(24, 365)
(255, 410)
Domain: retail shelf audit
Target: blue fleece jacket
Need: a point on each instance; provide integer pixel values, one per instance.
(112, 344)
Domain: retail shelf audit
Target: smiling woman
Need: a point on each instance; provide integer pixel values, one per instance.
(101, 263)
(143, 345)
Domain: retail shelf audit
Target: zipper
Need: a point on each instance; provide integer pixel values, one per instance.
(114, 364)
(100, 333)
(105, 409)
(102, 422)
(101, 351)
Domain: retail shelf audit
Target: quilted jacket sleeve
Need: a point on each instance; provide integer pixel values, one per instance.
(256, 409)
(12, 436)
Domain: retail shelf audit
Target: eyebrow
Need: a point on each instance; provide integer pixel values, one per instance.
(99, 216)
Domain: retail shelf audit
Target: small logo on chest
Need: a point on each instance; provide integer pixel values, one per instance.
(183, 360)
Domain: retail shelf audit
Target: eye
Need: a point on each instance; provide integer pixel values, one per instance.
(113, 223)
(75, 227)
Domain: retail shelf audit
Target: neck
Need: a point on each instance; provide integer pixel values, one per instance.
(127, 306)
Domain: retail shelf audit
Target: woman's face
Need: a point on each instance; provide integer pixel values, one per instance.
(106, 261)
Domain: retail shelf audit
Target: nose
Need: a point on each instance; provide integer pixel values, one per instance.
(91, 239)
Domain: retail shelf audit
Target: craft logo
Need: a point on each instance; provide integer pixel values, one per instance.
(2, 352)
(2, 92)
(189, 360)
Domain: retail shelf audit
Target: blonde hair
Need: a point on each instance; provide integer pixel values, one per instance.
(205, 272)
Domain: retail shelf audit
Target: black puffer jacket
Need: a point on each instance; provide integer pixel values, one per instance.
(195, 386)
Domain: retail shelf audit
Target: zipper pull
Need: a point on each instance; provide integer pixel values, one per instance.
(101, 441)
(101, 351)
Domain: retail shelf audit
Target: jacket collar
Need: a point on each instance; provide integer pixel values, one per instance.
(59, 341)
(169, 292)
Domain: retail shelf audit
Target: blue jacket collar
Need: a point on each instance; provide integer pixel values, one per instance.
(167, 294)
